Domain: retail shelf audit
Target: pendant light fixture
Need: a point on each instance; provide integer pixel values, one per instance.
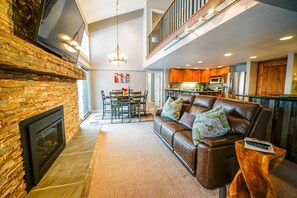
(117, 58)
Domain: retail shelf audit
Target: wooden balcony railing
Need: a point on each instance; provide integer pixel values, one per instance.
(179, 15)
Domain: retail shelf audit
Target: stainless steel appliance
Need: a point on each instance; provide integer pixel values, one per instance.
(216, 79)
(234, 84)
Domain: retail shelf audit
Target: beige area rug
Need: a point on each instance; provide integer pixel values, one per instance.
(131, 161)
(96, 119)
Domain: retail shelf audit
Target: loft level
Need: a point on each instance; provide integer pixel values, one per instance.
(182, 18)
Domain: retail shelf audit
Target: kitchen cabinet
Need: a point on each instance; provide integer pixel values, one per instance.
(196, 75)
(174, 76)
(205, 76)
(187, 75)
(219, 71)
(181, 75)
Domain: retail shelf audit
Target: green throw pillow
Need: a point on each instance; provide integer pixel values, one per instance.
(172, 108)
(212, 123)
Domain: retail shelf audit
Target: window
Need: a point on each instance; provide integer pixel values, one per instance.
(85, 45)
(84, 95)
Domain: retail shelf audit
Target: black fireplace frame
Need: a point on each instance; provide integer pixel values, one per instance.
(38, 123)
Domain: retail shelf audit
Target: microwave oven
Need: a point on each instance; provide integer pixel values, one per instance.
(217, 79)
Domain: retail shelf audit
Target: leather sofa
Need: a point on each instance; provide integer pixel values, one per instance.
(213, 161)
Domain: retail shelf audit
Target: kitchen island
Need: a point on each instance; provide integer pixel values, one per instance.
(175, 92)
(282, 130)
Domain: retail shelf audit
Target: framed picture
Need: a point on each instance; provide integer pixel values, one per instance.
(121, 77)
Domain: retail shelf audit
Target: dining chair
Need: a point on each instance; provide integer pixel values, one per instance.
(105, 104)
(143, 102)
(134, 104)
(116, 105)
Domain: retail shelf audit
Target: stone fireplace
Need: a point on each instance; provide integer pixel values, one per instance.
(43, 139)
(32, 82)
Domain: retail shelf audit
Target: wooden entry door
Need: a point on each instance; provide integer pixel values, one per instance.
(271, 77)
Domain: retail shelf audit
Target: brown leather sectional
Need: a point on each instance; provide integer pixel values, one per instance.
(213, 161)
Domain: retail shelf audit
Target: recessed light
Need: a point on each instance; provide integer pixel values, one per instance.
(286, 38)
(253, 57)
(178, 67)
(228, 54)
(199, 61)
(196, 67)
(187, 30)
(187, 65)
(211, 11)
(220, 66)
(200, 19)
(207, 68)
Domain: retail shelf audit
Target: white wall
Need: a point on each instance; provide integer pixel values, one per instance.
(103, 80)
(102, 43)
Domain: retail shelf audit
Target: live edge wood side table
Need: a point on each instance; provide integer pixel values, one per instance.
(252, 179)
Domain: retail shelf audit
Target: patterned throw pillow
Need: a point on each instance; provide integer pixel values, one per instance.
(172, 108)
(213, 123)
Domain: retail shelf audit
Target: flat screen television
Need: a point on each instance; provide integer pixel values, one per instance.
(61, 28)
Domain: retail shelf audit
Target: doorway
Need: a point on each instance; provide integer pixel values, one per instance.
(154, 85)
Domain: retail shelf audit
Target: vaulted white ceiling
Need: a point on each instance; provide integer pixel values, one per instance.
(96, 10)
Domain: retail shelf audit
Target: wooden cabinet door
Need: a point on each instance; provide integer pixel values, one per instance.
(271, 77)
(174, 75)
(224, 70)
(187, 75)
(205, 76)
(213, 72)
(196, 75)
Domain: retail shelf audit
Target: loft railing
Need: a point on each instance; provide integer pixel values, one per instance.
(179, 15)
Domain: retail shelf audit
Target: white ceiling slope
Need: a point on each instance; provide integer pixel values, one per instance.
(96, 10)
(255, 32)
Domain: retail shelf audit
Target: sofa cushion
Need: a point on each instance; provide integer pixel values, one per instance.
(158, 121)
(213, 123)
(187, 119)
(241, 115)
(183, 145)
(202, 103)
(172, 108)
(168, 129)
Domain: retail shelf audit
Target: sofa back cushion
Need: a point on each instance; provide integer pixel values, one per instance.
(187, 102)
(201, 104)
(241, 115)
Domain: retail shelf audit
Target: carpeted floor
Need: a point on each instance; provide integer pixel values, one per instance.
(131, 161)
(96, 119)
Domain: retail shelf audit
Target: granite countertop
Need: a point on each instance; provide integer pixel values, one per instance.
(277, 97)
(193, 91)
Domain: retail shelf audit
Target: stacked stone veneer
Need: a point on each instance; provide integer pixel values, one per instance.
(32, 81)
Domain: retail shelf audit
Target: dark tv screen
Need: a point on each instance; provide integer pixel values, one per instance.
(61, 23)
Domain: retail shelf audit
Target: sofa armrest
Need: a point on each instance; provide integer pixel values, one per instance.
(221, 141)
(158, 111)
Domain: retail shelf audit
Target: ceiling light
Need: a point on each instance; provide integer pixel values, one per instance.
(187, 65)
(286, 38)
(228, 54)
(187, 30)
(207, 68)
(219, 66)
(178, 67)
(200, 62)
(117, 58)
(200, 19)
(196, 67)
(253, 57)
(211, 11)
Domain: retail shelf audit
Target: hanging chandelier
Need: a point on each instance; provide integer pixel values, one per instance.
(117, 58)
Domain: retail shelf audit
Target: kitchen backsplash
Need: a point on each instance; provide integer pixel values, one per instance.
(192, 86)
